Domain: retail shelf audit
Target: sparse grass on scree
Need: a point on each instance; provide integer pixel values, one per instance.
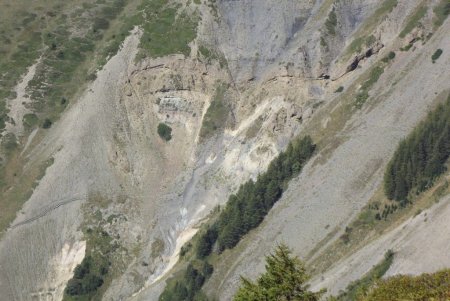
(70, 38)
(441, 12)
(358, 288)
(331, 22)
(363, 34)
(217, 113)
(363, 94)
(413, 21)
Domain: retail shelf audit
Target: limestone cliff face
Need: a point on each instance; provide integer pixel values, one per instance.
(275, 69)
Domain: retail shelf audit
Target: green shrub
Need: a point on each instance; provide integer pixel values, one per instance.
(389, 57)
(339, 90)
(436, 55)
(47, 123)
(164, 131)
(423, 287)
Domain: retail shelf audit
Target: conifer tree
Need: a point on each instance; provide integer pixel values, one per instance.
(284, 280)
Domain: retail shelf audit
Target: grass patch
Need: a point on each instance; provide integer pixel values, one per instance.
(358, 288)
(30, 120)
(358, 43)
(217, 114)
(441, 12)
(413, 21)
(209, 55)
(436, 55)
(331, 22)
(165, 30)
(363, 93)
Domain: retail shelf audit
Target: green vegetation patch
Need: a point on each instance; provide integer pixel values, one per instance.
(217, 114)
(407, 47)
(331, 22)
(423, 287)
(363, 93)
(374, 20)
(30, 120)
(421, 157)
(441, 12)
(359, 288)
(209, 55)
(187, 285)
(389, 57)
(165, 30)
(356, 44)
(436, 55)
(88, 276)
(64, 36)
(339, 90)
(413, 21)
(164, 131)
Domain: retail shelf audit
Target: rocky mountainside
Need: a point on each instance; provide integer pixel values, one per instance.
(127, 124)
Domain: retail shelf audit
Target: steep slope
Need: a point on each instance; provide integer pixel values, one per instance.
(253, 76)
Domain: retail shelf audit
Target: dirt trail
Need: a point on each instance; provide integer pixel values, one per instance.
(47, 210)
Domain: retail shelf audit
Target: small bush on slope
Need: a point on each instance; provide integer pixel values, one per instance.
(164, 131)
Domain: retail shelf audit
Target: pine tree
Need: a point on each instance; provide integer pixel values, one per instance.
(284, 280)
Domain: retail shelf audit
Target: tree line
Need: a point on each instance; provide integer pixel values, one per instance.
(421, 157)
(246, 209)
